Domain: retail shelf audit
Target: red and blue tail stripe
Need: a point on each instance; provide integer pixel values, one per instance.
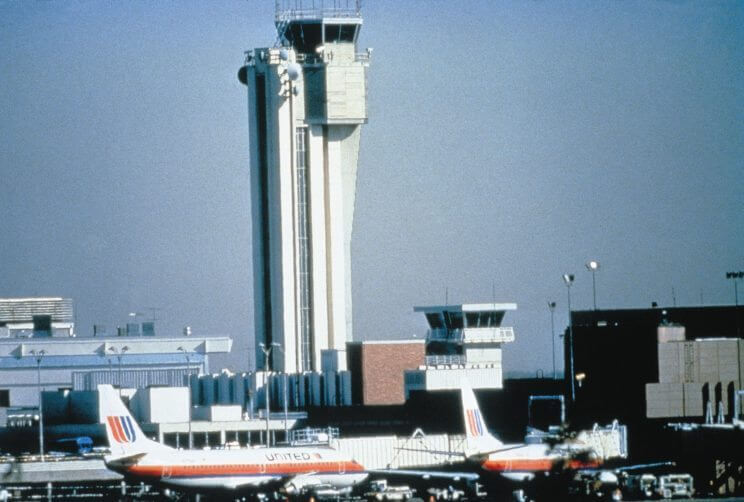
(475, 424)
(122, 429)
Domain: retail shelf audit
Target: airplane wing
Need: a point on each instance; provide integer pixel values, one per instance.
(435, 452)
(464, 455)
(296, 484)
(427, 475)
(639, 467)
(625, 468)
(264, 481)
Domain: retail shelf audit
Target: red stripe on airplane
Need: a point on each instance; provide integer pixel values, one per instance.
(518, 465)
(117, 426)
(114, 431)
(581, 464)
(157, 471)
(471, 423)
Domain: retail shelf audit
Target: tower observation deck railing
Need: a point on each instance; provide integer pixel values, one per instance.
(471, 335)
(292, 10)
(454, 359)
(316, 59)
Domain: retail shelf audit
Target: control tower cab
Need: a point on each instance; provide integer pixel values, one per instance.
(307, 100)
(324, 42)
(463, 341)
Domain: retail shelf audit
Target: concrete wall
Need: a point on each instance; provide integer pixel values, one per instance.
(711, 360)
(219, 413)
(693, 374)
(161, 405)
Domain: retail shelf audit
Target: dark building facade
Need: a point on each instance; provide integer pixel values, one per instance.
(615, 353)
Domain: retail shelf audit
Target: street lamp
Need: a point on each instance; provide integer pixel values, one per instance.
(736, 276)
(188, 372)
(39, 355)
(568, 279)
(592, 266)
(551, 307)
(267, 352)
(119, 353)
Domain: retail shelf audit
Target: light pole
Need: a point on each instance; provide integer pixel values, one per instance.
(39, 355)
(568, 279)
(188, 387)
(267, 352)
(286, 410)
(119, 353)
(736, 276)
(592, 266)
(551, 307)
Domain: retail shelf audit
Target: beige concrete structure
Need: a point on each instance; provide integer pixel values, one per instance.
(695, 377)
(306, 102)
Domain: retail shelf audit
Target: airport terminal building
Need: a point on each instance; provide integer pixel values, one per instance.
(40, 352)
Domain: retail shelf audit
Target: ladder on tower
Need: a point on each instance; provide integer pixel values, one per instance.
(281, 30)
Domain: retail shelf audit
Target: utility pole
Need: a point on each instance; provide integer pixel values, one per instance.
(267, 352)
(119, 354)
(39, 355)
(188, 387)
(568, 279)
(736, 277)
(551, 306)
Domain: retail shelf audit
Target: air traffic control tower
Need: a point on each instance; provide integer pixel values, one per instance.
(306, 103)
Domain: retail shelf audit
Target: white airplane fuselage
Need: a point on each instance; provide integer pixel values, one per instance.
(297, 468)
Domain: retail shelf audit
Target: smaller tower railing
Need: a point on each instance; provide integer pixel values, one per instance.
(453, 359)
(293, 10)
(471, 335)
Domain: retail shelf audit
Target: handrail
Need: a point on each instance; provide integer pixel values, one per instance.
(319, 9)
(471, 335)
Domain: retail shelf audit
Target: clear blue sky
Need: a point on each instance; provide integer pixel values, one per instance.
(508, 143)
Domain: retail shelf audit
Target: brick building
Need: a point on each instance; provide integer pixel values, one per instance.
(377, 369)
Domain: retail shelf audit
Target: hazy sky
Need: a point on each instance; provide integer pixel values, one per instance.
(508, 142)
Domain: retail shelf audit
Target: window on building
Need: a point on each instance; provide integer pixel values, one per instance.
(471, 318)
(435, 321)
(4, 398)
(453, 320)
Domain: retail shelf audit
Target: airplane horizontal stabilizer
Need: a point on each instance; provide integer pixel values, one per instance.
(126, 460)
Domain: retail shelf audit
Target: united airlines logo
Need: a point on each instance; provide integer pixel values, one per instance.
(122, 429)
(475, 424)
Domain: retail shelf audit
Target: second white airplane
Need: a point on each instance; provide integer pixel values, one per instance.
(515, 462)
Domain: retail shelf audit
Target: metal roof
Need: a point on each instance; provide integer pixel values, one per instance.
(24, 309)
(468, 307)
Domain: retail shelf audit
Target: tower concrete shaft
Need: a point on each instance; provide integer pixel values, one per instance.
(306, 103)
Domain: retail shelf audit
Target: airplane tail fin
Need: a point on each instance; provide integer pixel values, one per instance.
(479, 440)
(125, 437)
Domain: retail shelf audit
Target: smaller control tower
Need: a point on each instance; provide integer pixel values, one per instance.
(306, 103)
(463, 341)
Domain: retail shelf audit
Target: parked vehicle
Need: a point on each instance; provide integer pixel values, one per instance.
(380, 490)
(675, 485)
